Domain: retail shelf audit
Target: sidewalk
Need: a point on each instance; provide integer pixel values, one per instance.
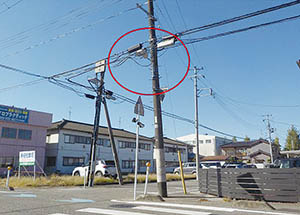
(213, 201)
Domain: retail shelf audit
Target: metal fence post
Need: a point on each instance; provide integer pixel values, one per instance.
(7, 178)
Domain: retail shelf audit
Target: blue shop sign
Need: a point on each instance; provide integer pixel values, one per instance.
(14, 114)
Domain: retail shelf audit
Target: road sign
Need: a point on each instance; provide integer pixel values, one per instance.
(27, 158)
(139, 107)
(100, 66)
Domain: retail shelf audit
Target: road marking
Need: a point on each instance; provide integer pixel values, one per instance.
(58, 214)
(109, 212)
(200, 207)
(23, 195)
(171, 211)
(177, 205)
(74, 200)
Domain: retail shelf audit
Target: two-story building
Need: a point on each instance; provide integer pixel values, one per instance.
(22, 130)
(256, 151)
(68, 146)
(171, 153)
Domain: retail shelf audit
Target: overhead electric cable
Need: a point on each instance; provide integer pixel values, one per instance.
(8, 7)
(238, 18)
(240, 30)
(75, 30)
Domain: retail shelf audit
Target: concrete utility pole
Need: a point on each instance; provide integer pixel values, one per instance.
(159, 144)
(196, 95)
(91, 170)
(196, 125)
(270, 131)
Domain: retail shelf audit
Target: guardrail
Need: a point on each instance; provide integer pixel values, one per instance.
(281, 185)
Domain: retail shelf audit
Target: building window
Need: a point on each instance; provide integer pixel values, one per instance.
(127, 164)
(200, 141)
(73, 161)
(145, 146)
(6, 161)
(170, 149)
(126, 144)
(51, 161)
(207, 141)
(72, 139)
(104, 142)
(9, 132)
(24, 134)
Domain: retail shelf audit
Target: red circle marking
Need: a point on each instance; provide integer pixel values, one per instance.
(148, 94)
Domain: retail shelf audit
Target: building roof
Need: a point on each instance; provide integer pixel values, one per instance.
(244, 144)
(88, 128)
(259, 152)
(215, 158)
(175, 142)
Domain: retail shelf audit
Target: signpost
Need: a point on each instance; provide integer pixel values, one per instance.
(139, 111)
(27, 158)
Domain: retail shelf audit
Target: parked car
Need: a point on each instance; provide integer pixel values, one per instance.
(211, 165)
(238, 165)
(101, 169)
(286, 163)
(188, 168)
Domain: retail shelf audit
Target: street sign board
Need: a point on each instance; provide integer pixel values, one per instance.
(27, 158)
(139, 107)
(13, 114)
(100, 66)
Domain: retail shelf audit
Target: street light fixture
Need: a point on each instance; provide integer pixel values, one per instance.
(298, 63)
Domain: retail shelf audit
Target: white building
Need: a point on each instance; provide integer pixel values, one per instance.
(208, 145)
(171, 153)
(68, 145)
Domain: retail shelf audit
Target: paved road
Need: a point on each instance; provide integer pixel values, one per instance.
(117, 200)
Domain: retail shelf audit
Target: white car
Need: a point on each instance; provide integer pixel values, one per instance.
(101, 169)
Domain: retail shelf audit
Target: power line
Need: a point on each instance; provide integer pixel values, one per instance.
(53, 24)
(9, 6)
(238, 18)
(75, 30)
(240, 30)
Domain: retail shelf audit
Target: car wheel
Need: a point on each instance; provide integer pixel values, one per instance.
(76, 174)
(99, 174)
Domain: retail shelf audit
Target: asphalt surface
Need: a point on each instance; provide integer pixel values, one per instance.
(115, 199)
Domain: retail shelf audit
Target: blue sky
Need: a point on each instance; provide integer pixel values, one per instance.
(253, 73)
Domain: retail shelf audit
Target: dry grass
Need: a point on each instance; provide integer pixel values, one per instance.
(55, 180)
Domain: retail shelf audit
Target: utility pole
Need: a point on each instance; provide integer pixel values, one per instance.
(159, 144)
(196, 96)
(91, 169)
(112, 141)
(270, 131)
(100, 68)
(196, 125)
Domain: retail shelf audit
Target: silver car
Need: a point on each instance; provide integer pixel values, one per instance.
(188, 168)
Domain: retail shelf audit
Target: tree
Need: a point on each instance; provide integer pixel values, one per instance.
(247, 139)
(276, 142)
(234, 139)
(292, 140)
